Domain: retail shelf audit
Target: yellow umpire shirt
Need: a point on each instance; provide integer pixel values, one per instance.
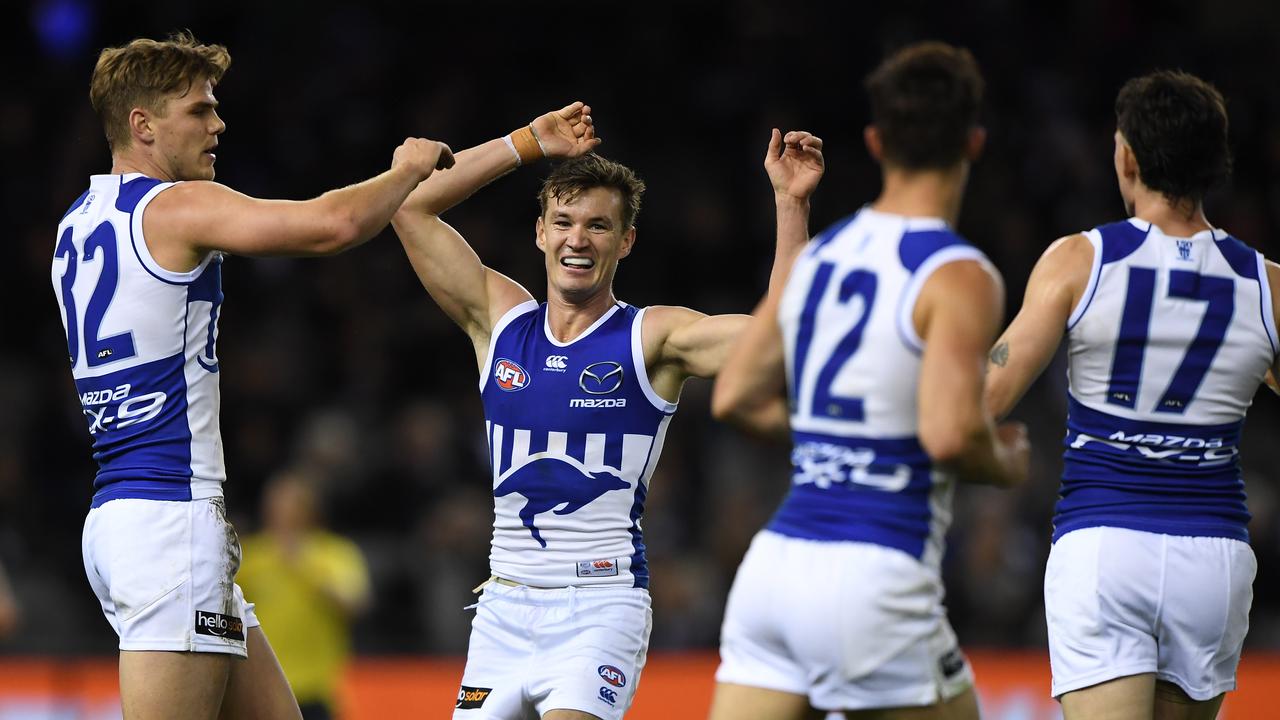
(309, 631)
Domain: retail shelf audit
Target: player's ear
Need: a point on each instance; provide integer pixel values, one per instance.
(875, 145)
(537, 235)
(140, 127)
(975, 142)
(1126, 161)
(628, 240)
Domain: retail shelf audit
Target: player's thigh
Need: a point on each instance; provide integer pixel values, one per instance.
(257, 688)
(743, 702)
(1126, 698)
(164, 685)
(569, 715)
(961, 707)
(1173, 703)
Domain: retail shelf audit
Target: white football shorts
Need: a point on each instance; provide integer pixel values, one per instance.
(850, 625)
(164, 573)
(533, 650)
(1124, 602)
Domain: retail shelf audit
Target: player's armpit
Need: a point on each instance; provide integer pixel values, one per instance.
(1026, 347)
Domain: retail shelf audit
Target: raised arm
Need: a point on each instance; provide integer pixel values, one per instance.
(750, 390)
(1026, 347)
(471, 294)
(1273, 280)
(957, 314)
(187, 221)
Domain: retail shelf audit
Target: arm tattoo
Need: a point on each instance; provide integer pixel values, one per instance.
(999, 354)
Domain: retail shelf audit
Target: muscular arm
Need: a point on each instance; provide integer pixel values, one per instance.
(1273, 279)
(187, 221)
(751, 389)
(471, 294)
(753, 392)
(958, 312)
(1027, 346)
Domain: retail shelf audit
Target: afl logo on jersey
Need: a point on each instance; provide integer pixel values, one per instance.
(510, 376)
(601, 378)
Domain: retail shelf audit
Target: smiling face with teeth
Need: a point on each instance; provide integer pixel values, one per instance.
(583, 238)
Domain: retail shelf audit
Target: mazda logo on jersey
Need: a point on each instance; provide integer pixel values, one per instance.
(601, 378)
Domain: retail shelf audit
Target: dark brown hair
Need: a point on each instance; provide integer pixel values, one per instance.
(571, 177)
(924, 100)
(1176, 124)
(142, 72)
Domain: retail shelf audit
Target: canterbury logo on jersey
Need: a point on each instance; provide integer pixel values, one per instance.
(556, 363)
(597, 568)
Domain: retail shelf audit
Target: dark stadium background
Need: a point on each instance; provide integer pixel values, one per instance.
(344, 366)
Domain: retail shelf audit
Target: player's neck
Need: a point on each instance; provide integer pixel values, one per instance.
(923, 193)
(130, 161)
(568, 318)
(1176, 218)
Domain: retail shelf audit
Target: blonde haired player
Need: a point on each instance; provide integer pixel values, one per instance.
(137, 272)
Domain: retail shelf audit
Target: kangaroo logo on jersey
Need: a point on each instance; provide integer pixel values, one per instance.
(547, 481)
(601, 378)
(1184, 249)
(510, 376)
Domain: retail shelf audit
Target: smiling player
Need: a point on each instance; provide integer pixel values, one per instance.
(578, 392)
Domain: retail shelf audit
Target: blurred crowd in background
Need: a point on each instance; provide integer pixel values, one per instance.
(341, 370)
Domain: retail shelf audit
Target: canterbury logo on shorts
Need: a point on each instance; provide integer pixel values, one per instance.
(223, 626)
(470, 698)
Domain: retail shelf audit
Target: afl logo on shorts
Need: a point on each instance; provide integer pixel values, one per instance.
(510, 376)
(612, 675)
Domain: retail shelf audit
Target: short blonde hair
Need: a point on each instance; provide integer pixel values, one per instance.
(142, 72)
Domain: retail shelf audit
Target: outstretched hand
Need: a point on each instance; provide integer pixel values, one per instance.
(794, 163)
(567, 132)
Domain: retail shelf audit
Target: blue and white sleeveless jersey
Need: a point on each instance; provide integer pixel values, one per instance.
(853, 366)
(1166, 349)
(575, 430)
(141, 344)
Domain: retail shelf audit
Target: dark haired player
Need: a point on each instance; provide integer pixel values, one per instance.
(1170, 327)
(578, 392)
(878, 344)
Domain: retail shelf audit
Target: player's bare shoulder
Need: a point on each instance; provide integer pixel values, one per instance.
(176, 216)
(1070, 255)
(662, 323)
